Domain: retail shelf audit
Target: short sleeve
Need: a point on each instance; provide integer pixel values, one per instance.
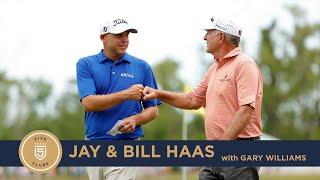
(247, 82)
(150, 81)
(85, 82)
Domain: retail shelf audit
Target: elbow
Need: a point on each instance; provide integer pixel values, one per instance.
(196, 106)
(88, 105)
(154, 113)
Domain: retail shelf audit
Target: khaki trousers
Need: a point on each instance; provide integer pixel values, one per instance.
(111, 173)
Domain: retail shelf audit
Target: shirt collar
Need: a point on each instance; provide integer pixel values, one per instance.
(234, 52)
(102, 58)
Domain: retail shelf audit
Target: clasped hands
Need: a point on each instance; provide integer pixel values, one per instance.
(135, 92)
(138, 92)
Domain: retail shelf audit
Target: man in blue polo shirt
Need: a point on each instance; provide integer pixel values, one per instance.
(110, 86)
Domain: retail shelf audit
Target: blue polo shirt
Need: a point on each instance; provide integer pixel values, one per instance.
(97, 75)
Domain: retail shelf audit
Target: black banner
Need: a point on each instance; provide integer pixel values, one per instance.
(177, 153)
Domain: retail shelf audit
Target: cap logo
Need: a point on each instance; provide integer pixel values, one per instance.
(223, 28)
(240, 32)
(212, 19)
(119, 21)
(105, 29)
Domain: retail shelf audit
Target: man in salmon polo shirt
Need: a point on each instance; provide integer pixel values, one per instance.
(231, 93)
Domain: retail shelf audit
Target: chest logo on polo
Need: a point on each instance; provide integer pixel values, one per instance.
(128, 75)
(225, 78)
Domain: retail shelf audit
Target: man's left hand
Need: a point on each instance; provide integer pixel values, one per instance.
(128, 125)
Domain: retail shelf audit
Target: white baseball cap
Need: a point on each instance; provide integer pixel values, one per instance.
(224, 25)
(116, 26)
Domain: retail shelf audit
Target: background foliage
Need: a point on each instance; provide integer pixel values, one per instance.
(291, 105)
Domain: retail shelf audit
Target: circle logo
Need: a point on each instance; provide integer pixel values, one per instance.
(40, 151)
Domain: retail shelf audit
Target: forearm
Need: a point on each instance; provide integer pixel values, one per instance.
(239, 123)
(103, 102)
(179, 100)
(146, 115)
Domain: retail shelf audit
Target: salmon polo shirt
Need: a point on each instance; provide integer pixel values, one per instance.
(231, 82)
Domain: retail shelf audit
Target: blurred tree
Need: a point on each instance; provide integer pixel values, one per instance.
(31, 106)
(5, 85)
(30, 102)
(169, 122)
(69, 124)
(23, 101)
(290, 62)
(196, 128)
(290, 65)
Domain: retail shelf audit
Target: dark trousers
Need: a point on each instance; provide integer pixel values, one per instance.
(229, 173)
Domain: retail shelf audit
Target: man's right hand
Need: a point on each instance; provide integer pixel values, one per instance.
(149, 93)
(134, 92)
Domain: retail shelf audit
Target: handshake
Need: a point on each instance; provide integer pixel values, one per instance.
(138, 92)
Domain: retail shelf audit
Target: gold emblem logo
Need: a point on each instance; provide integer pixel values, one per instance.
(40, 151)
